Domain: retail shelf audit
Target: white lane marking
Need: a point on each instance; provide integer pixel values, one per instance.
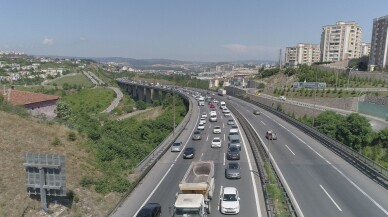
(295, 202)
(332, 200)
(263, 122)
(258, 208)
(224, 159)
(218, 208)
(207, 138)
(201, 157)
(223, 125)
(168, 171)
(224, 137)
(290, 149)
(339, 171)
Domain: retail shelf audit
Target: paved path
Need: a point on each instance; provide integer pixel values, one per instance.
(122, 117)
(115, 102)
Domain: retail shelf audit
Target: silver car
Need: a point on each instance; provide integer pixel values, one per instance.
(232, 170)
(176, 147)
(197, 135)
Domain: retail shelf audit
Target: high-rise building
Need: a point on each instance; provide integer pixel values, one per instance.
(365, 49)
(378, 56)
(302, 54)
(341, 41)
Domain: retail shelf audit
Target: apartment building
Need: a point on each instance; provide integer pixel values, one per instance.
(378, 57)
(302, 54)
(341, 41)
(365, 49)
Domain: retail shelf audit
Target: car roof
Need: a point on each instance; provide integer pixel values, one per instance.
(230, 190)
(232, 137)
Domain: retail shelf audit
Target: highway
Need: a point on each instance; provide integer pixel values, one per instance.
(322, 183)
(161, 184)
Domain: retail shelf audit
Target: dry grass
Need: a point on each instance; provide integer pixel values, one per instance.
(150, 115)
(18, 136)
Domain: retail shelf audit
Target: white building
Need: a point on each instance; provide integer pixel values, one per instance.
(341, 42)
(302, 54)
(379, 47)
(365, 49)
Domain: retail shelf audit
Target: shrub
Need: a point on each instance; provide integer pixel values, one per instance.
(56, 142)
(71, 136)
(86, 181)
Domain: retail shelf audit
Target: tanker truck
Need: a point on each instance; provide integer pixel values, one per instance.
(196, 190)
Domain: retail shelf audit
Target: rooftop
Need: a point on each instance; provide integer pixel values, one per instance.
(17, 97)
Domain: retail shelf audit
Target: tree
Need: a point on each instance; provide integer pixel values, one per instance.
(381, 138)
(355, 132)
(327, 122)
(63, 111)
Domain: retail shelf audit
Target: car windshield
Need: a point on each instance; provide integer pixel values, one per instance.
(176, 144)
(234, 127)
(233, 149)
(235, 141)
(217, 127)
(229, 197)
(189, 150)
(187, 212)
(233, 166)
(216, 140)
(197, 132)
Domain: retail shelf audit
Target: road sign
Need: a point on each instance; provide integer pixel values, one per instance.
(45, 174)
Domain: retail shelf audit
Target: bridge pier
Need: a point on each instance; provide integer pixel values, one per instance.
(148, 95)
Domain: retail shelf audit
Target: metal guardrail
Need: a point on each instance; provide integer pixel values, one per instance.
(156, 155)
(262, 156)
(367, 166)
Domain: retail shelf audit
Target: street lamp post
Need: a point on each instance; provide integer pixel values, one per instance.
(350, 70)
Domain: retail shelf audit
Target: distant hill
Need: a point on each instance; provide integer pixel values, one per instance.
(140, 62)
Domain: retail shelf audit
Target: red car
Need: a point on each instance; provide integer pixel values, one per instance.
(212, 106)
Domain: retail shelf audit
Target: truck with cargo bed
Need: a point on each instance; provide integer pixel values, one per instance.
(196, 190)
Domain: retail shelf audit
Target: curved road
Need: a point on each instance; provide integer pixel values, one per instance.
(161, 184)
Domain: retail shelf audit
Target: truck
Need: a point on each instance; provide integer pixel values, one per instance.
(201, 101)
(221, 92)
(196, 190)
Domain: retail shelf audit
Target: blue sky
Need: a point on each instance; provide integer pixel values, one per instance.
(198, 30)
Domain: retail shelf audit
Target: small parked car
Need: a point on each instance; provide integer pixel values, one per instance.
(150, 210)
(230, 201)
(282, 98)
(232, 170)
(197, 135)
(271, 135)
(176, 147)
(189, 153)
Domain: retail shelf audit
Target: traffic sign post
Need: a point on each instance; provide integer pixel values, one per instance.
(45, 174)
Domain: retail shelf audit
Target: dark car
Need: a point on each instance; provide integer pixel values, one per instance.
(271, 135)
(233, 153)
(150, 210)
(212, 106)
(232, 170)
(197, 135)
(256, 112)
(189, 153)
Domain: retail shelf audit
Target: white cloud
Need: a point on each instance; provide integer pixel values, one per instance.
(48, 41)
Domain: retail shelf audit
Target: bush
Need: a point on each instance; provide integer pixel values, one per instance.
(56, 142)
(71, 136)
(86, 181)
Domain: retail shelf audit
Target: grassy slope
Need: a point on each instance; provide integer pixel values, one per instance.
(37, 137)
(78, 79)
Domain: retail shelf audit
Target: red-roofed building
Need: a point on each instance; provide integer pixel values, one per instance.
(36, 103)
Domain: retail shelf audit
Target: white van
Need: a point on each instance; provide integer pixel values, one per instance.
(222, 105)
(213, 116)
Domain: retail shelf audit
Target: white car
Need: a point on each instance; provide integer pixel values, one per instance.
(216, 142)
(227, 114)
(203, 120)
(230, 201)
(217, 129)
(282, 98)
(225, 110)
(204, 115)
(201, 126)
